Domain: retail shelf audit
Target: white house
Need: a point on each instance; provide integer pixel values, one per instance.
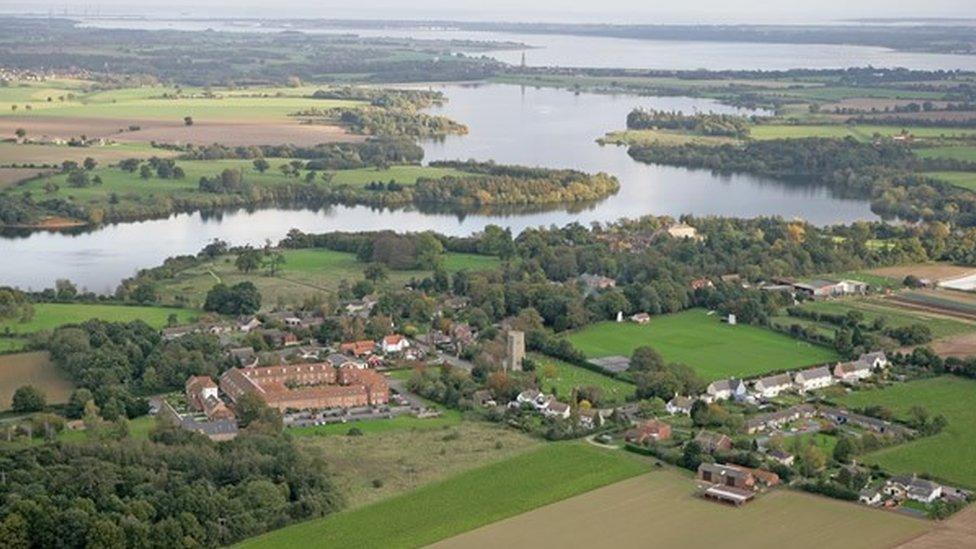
(813, 378)
(679, 405)
(914, 488)
(395, 343)
(251, 324)
(725, 389)
(876, 360)
(851, 371)
(533, 397)
(772, 386)
(555, 408)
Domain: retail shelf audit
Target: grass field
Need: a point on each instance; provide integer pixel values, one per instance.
(34, 369)
(660, 510)
(569, 377)
(714, 349)
(466, 501)
(963, 180)
(405, 460)
(9, 344)
(48, 316)
(131, 186)
(954, 152)
(949, 455)
(859, 132)
(448, 418)
(305, 272)
(892, 315)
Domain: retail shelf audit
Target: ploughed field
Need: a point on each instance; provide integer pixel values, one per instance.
(714, 349)
(34, 369)
(660, 509)
(948, 455)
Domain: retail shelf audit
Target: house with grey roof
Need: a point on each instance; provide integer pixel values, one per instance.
(813, 378)
(772, 386)
(913, 488)
(725, 389)
(679, 405)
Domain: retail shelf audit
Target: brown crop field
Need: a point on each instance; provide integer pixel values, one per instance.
(243, 134)
(961, 346)
(944, 302)
(661, 510)
(931, 271)
(9, 176)
(32, 369)
(55, 154)
(958, 531)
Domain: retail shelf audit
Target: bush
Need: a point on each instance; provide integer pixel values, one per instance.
(28, 399)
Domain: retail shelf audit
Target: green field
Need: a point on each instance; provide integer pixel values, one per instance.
(569, 377)
(894, 317)
(953, 152)
(860, 132)
(48, 316)
(147, 103)
(464, 502)
(963, 180)
(408, 459)
(10, 344)
(305, 272)
(949, 455)
(714, 349)
(131, 186)
(448, 418)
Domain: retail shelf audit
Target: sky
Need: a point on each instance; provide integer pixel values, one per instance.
(610, 11)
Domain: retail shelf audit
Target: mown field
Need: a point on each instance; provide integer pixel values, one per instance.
(466, 501)
(570, 377)
(149, 103)
(963, 180)
(949, 455)
(48, 316)
(34, 369)
(862, 132)
(305, 272)
(954, 152)
(714, 349)
(380, 465)
(660, 510)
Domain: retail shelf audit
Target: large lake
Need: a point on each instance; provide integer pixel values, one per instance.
(604, 52)
(510, 124)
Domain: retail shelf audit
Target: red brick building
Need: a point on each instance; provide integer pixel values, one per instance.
(307, 386)
(652, 430)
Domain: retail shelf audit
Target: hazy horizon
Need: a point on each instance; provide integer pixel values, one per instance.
(609, 11)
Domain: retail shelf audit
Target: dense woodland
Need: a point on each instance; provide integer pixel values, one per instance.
(724, 125)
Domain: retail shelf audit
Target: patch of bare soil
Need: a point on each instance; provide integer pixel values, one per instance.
(9, 176)
(960, 346)
(244, 134)
(958, 531)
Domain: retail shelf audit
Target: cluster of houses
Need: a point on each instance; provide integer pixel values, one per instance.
(550, 407)
(769, 387)
(901, 488)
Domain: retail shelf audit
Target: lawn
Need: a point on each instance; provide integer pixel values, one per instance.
(714, 349)
(34, 369)
(949, 455)
(660, 509)
(405, 460)
(464, 502)
(963, 180)
(894, 317)
(569, 377)
(48, 316)
(305, 272)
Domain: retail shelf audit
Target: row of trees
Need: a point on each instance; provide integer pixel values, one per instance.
(725, 125)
